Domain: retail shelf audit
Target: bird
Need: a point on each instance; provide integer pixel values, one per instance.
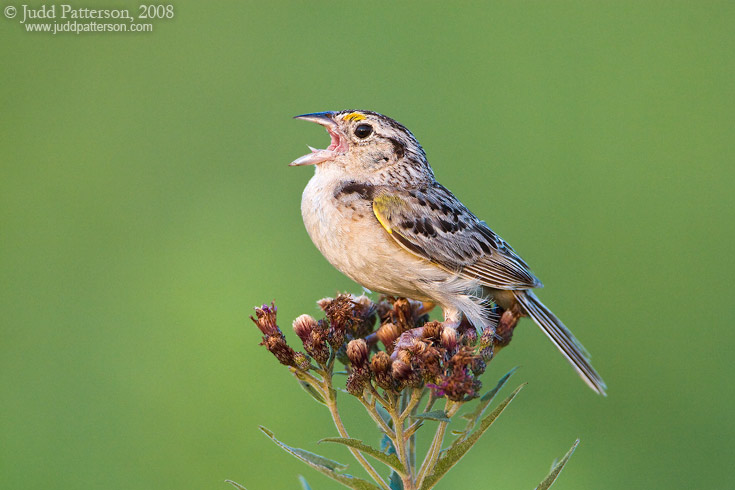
(375, 211)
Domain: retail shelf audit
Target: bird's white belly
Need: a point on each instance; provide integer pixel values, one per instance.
(353, 241)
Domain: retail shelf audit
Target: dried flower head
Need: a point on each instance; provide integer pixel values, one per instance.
(303, 325)
(317, 346)
(357, 352)
(388, 333)
(266, 319)
(417, 356)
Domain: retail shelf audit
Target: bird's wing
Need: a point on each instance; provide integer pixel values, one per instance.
(433, 224)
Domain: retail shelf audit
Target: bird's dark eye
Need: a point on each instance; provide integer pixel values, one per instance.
(363, 131)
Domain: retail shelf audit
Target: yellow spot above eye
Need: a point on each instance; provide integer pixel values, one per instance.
(353, 116)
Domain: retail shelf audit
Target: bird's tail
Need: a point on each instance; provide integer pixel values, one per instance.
(562, 338)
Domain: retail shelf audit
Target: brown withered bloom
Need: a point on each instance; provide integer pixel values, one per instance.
(381, 366)
(357, 352)
(316, 346)
(273, 339)
(388, 333)
(390, 369)
(303, 325)
(459, 383)
(266, 319)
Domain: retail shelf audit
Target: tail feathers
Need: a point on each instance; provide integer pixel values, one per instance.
(562, 339)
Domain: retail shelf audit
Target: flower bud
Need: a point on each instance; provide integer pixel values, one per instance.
(303, 326)
(357, 352)
(388, 334)
(449, 338)
(433, 330)
(381, 368)
(400, 370)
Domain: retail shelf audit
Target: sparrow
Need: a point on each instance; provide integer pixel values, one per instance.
(375, 211)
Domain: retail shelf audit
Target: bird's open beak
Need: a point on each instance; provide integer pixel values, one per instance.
(338, 145)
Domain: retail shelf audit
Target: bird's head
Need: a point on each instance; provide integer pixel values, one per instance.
(366, 144)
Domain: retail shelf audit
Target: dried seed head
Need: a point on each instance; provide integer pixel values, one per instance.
(388, 334)
(357, 352)
(266, 319)
(303, 326)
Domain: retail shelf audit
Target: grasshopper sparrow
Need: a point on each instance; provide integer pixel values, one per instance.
(375, 211)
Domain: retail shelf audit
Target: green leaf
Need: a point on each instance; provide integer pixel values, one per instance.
(304, 483)
(488, 397)
(236, 485)
(384, 414)
(312, 391)
(485, 402)
(323, 465)
(551, 478)
(459, 448)
(395, 481)
(388, 459)
(438, 415)
(386, 445)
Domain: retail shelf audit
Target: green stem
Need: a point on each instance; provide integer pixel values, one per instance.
(370, 407)
(436, 444)
(331, 399)
(400, 444)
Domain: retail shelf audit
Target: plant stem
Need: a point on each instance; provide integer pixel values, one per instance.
(370, 407)
(331, 399)
(436, 444)
(400, 444)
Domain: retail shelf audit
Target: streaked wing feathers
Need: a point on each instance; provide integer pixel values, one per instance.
(433, 224)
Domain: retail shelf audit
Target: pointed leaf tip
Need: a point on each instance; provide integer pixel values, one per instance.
(304, 483)
(323, 465)
(236, 485)
(556, 470)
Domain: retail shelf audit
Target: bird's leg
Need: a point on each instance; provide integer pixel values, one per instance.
(452, 318)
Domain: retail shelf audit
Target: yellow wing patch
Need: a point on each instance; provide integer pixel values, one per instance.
(382, 206)
(353, 116)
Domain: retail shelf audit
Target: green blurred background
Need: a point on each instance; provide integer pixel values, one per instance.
(146, 205)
